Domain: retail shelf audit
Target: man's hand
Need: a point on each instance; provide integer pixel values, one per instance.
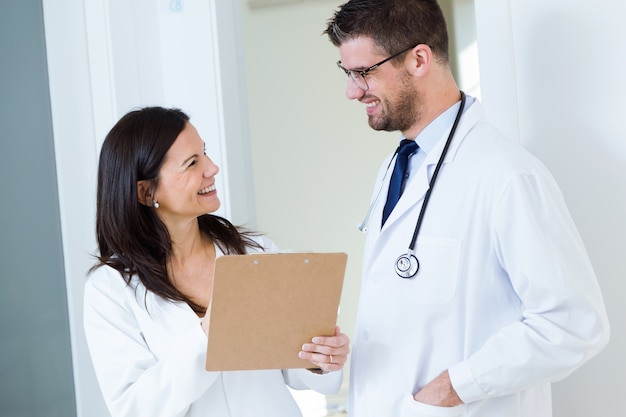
(439, 392)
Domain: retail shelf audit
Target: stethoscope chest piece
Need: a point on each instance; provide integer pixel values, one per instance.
(407, 266)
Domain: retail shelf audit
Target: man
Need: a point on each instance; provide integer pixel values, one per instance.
(496, 298)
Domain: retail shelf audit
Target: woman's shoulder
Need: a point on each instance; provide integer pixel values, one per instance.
(108, 279)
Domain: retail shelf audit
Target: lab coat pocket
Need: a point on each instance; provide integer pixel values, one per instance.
(437, 277)
(412, 408)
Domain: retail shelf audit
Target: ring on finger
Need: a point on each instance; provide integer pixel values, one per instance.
(331, 359)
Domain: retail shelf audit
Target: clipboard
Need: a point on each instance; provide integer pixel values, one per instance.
(265, 306)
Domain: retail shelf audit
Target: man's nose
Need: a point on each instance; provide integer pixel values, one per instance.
(353, 91)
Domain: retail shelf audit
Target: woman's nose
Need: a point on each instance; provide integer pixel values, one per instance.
(211, 169)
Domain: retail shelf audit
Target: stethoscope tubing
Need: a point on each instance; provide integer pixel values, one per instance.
(407, 265)
(431, 185)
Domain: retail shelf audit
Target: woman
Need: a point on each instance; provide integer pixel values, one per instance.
(148, 293)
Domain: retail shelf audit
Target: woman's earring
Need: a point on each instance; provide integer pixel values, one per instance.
(155, 204)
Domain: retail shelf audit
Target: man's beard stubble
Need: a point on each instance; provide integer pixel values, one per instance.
(402, 113)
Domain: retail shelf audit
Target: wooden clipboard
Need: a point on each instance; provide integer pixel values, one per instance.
(265, 306)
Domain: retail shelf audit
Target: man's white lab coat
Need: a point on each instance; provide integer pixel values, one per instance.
(505, 299)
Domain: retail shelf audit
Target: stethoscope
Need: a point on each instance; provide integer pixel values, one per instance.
(407, 265)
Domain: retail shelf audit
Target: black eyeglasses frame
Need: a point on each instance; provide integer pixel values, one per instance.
(358, 76)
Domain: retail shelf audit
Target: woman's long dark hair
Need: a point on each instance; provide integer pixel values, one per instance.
(131, 237)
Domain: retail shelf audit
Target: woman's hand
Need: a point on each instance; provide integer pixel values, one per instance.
(329, 353)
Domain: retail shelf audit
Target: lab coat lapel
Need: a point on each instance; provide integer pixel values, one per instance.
(414, 192)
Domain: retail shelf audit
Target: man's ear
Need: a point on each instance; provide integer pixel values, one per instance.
(144, 196)
(421, 60)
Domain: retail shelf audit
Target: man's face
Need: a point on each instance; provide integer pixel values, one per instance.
(391, 100)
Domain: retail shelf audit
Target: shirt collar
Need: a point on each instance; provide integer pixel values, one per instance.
(435, 130)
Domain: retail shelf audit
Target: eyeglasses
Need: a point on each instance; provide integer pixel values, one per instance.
(358, 76)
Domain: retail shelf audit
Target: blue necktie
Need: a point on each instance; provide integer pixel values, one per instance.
(405, 150)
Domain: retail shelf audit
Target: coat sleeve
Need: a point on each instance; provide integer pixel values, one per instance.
(563, 321)
(327, 384)
(134, 382)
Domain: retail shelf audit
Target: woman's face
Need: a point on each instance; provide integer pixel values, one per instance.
(187, 179)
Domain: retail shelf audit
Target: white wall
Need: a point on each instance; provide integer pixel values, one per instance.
(75, 151)
(553, 74)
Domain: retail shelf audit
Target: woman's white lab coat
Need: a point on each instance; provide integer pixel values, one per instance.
(149, 356)
(505, 299)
